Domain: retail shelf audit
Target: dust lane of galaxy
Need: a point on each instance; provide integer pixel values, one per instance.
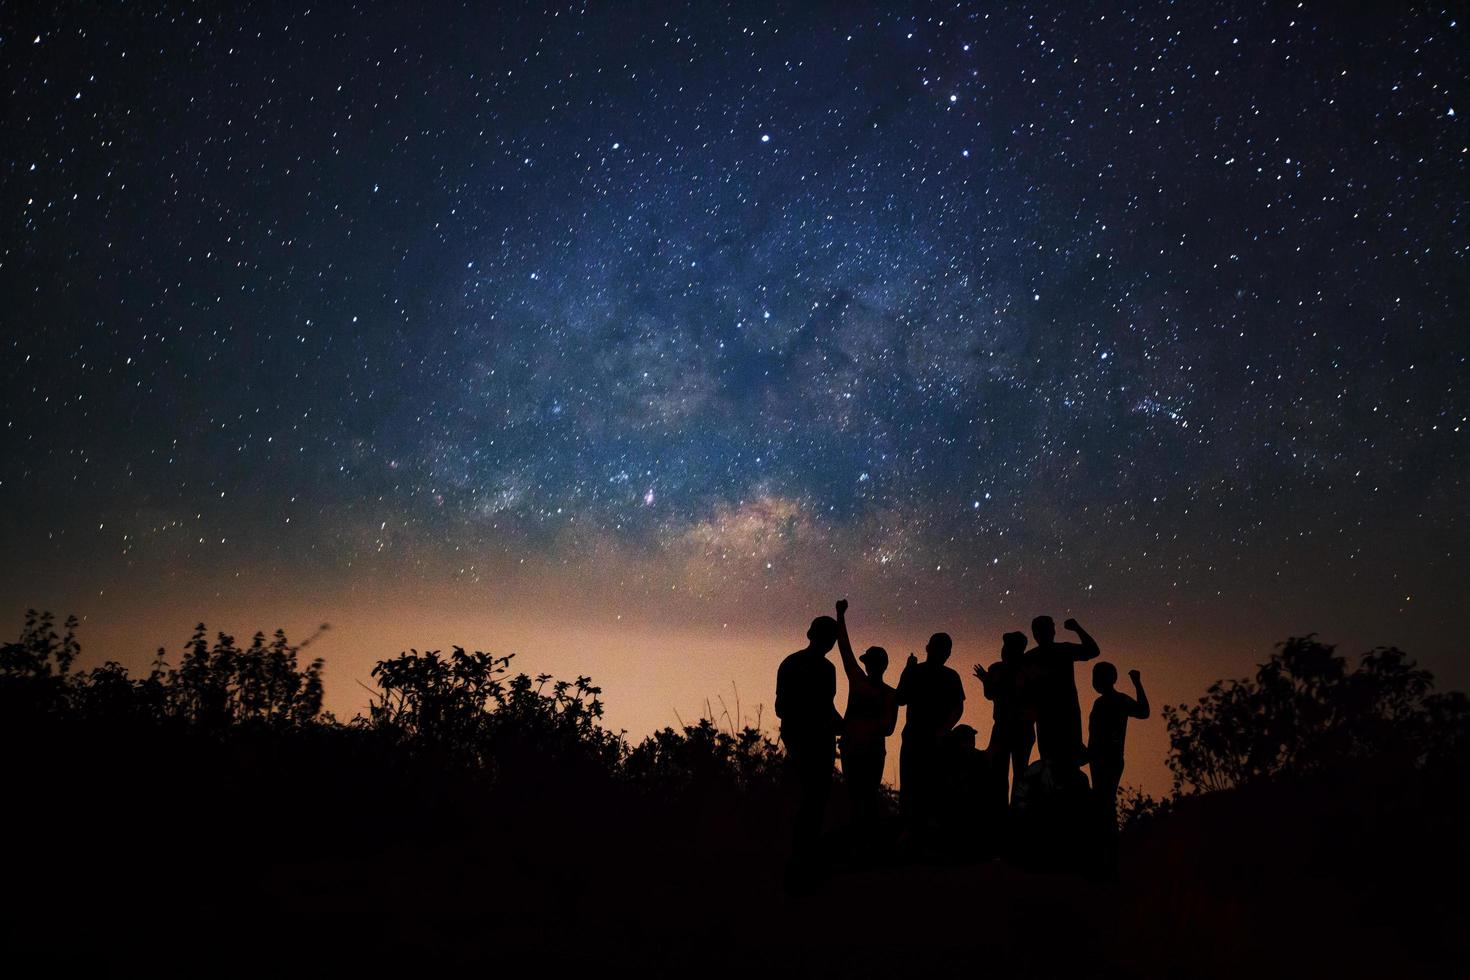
(631, 337)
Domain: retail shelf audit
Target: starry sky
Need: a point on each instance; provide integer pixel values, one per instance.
(628, 336)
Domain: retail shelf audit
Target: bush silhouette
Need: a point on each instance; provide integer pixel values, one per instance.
(1305, 714)
(463, 711)
(439, 704)
(222, 685)
(214, 687)
(702, 754)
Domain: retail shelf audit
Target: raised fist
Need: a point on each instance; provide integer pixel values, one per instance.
(1135, 676)
(913, 659)
(1071, 624)
(841, 606)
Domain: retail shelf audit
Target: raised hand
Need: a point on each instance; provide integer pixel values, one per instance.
(841, 607)
(980, 673)
(1071, 625)
(913, 659)
(1135, 676)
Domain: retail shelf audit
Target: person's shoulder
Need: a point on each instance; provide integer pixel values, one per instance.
(792, 660)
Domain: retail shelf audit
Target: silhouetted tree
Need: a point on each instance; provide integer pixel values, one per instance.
(439, 703)
(40, 652)
(224, 684)
(1305, 713)
(463, 710)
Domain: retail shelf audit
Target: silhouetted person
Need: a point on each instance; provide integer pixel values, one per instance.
(1051, 818)
(1054, 690)
(935, 699)
(872, 714)
(806, 685)
(967, 776)
(1107, 727)
(1013, 730)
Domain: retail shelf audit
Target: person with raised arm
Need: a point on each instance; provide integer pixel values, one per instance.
(1107, 729)
(1058, 713)
(872, 714)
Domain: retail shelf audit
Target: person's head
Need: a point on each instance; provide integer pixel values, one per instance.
(822, 634)
(876, 660)
(938, 648)
(1012, 645)
(1104, 676)
(964, 736)
(1043, 630)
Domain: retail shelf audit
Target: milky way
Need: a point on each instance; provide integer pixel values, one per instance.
(961, 303)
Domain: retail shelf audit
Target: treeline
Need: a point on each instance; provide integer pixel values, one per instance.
(463, 713)
(1307, 712)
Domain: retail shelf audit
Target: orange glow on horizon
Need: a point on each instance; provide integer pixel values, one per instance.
(662, 662)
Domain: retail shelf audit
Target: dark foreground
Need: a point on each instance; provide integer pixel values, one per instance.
(1279, 881)
(209, 819)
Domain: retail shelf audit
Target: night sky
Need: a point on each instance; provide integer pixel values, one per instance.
(629, 336)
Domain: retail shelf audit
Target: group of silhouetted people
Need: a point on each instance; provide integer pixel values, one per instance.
(952, 794)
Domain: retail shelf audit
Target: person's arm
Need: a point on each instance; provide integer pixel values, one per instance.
(850, 665)
(984, 677)
(903, 680)
(890, 711)
(1092, 746)
(782, 683)
(835, 716)
(957, 703)
(1088, 648)
(1141, 707)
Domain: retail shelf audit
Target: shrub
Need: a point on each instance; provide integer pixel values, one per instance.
(1305, 713)
(703, 754)
(1137, 809)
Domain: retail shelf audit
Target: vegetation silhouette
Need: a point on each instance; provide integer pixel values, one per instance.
(1306, 714)
(474, 816)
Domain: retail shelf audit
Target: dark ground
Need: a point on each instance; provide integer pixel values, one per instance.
(226, 859)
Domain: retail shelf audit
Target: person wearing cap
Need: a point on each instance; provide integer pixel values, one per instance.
(968, 820)
(872, 714)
